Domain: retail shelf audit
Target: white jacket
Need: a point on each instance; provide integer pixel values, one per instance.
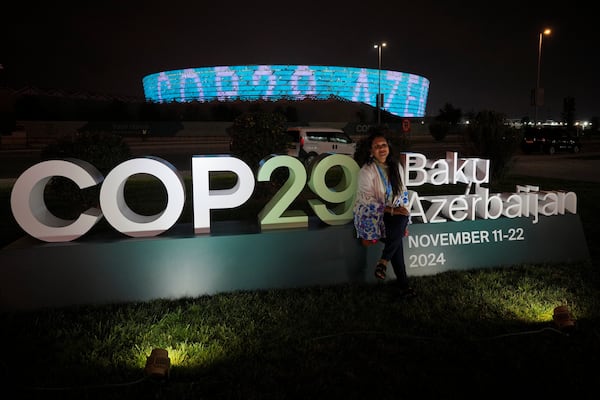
(370, 203)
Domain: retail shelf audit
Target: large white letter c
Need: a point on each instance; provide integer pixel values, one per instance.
(29, 208)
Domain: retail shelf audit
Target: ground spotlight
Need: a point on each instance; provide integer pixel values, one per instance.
(563, 319)
(158, 364)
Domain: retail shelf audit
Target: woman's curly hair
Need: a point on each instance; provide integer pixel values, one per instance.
(363, 156)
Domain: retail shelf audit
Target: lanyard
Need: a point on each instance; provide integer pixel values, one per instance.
(388, 188)
(386, 184)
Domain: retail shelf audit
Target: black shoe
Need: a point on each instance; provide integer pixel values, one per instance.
(380, 271)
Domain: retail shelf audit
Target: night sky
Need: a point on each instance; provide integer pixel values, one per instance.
(480, 56)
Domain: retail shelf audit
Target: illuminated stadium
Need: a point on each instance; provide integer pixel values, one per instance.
(404, 94)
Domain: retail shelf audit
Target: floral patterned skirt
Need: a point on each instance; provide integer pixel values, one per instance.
(368, 221)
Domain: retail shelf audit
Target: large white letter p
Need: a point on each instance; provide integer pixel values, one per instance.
(206, 199)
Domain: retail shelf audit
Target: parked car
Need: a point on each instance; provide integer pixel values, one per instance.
(307, 142)
(549, 141)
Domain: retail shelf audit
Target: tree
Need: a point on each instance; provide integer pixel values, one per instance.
(448, 118)
(450, 114)
(256, 134)
(492, 138)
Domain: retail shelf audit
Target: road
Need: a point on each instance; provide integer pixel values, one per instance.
(14, 162)
(584, 166)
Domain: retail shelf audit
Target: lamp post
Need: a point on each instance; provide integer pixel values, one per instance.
(379, 98)
(538, 95)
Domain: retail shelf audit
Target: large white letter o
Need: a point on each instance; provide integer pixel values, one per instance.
(124, 219)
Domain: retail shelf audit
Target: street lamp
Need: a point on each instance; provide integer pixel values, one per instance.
(538, 96)
(379, 100)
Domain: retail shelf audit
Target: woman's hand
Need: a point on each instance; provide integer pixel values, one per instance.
(401, 211)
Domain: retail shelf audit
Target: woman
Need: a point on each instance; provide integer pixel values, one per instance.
(380, 211)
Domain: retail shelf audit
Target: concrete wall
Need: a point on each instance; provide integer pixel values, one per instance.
(111, 268)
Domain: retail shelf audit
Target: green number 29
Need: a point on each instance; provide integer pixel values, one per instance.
(276, 215)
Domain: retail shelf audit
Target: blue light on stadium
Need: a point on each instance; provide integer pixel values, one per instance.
(405, 95)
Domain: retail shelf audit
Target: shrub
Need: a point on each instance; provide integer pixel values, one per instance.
(439, 130)
(255, 135)
(104, 151)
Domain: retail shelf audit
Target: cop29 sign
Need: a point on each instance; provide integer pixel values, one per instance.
(334, 205)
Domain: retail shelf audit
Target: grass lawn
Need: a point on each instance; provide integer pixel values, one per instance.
(469, 333)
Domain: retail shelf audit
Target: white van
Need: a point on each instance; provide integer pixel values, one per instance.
(307, 142)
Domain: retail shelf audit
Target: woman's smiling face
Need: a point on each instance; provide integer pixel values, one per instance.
(380, 149)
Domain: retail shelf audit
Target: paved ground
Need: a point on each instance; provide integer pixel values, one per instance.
(583, 167)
